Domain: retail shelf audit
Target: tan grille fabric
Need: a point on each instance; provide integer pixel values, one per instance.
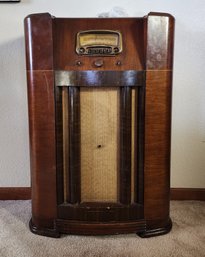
(99, 112)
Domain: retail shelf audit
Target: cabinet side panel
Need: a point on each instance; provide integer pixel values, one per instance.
(159, 37)
(39, 42)
(157, 145)
(42, 147)
(40, 77)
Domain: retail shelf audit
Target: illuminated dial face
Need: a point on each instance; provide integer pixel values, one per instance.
(100, 42)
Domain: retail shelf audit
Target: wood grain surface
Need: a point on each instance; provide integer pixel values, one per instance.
(59, 124)
(41, 105)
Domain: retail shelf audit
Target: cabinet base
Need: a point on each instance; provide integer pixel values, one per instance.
(79, 228)
(157, 231)
(43, 231)
(97, 228)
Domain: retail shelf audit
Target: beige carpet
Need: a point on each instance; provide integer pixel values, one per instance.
(187, 238)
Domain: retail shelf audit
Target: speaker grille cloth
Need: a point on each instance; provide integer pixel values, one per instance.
(99, 119)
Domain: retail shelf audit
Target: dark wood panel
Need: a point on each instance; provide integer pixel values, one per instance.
(125, 146)
(65, 31)
(65, 111)
(74, 145)
(86, 228)
(139, 172)
(59, 145)
(100, 212)
(90, 78)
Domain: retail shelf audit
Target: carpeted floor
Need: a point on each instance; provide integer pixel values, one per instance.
(187, 238)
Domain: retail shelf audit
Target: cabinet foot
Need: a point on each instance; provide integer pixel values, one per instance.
(157, 231)
(43, 231)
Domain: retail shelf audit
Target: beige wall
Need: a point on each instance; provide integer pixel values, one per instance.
(188, 125)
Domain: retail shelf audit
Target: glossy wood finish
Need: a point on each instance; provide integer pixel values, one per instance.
(74, 143)
(39, 42)
(100, 212)
(147, 47)
(84, 228)
(88, 78)
(66, 143)
(65, 31)
(157, 146)
(60, 177)
(159, 52)
(139, 144)
(125, 146)
(39, 49)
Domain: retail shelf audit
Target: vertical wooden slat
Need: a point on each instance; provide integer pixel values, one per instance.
(125, 146)
(65, 113)
(139, 185)
(74, 145)
(59, 145)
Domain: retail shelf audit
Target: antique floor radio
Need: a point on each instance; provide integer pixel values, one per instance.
(99, 94)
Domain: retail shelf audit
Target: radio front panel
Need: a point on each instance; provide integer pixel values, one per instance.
(99, 93)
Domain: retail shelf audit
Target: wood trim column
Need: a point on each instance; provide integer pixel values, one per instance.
(74, 145)
(158, 30)
(40, 76)
(125, 146)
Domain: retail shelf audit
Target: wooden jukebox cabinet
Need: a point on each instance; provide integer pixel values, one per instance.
(99, 93)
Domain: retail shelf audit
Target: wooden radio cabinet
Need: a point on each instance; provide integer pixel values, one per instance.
(99, 94)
